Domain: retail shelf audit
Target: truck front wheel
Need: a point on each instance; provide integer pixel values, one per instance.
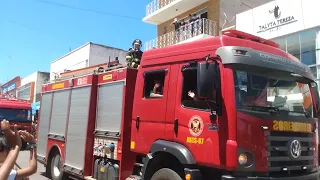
(166, 174)
(56, 167)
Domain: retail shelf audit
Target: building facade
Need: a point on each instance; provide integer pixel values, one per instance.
(11, 86)
(31, 86)
(87, 55)
(213, 16)
(293, 24)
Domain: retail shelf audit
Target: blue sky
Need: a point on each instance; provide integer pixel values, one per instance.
(35, 32)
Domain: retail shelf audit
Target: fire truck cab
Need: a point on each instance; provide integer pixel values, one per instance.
(18, 112)
(229, 107)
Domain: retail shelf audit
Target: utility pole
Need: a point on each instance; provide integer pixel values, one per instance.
(9, 61)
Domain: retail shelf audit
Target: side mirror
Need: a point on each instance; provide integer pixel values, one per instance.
(314, 88)
(205, 79)
(36, 115)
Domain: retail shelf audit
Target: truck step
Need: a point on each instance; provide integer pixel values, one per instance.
(89, 178)
(138, 164)
(133, 177)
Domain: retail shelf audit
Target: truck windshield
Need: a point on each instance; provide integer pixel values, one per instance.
(261, 93)
(17, 115)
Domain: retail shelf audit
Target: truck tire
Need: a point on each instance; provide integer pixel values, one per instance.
(56, 167)
(165, 174)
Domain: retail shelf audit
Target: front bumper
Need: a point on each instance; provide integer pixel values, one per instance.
(312, 176)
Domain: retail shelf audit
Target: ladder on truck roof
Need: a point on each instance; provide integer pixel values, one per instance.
(95, 71)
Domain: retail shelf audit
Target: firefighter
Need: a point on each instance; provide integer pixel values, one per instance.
(134, 54)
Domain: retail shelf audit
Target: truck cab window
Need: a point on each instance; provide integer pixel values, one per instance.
(190, 98)
(257, 92)
(154, 84)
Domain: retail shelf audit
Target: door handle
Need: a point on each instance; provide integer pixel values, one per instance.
(175, 126)
(137, 122)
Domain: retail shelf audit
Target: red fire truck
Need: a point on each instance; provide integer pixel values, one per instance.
(16, 111)
(229, 107)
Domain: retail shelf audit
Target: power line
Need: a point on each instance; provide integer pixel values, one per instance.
(75, 8)
(88, 10)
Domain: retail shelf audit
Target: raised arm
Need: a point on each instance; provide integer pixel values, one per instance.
(15, 142)
(32, 168)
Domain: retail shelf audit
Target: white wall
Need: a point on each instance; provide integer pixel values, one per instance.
(39, 78)
(31, 78)
(87, 55)
(294, 16)
(75, 60)
(100, 54)
(42, 78)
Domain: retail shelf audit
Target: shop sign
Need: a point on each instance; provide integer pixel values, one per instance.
(9, 88)
(279, 20)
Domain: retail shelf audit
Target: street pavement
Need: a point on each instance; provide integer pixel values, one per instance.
(23, 161)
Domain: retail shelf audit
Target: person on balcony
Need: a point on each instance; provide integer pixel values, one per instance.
(134, 54)
(193, 19)
(177, 25)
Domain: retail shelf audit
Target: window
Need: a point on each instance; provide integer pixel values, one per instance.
(293, 45)
(24, 92)
(255, 92)
(154, 84)
(308, 47)
(18, 115)
(189, 97)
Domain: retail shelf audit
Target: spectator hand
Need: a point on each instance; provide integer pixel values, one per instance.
(29, 138)
(17, 139)
(5, 126)
(191, 94)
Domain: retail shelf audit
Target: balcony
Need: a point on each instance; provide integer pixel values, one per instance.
(160, 11)
(200, 29)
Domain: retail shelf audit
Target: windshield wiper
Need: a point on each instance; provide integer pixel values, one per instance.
(307, 114)
(269, 109)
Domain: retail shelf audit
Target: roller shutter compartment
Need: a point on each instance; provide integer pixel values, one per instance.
(77, 127)
(43, 129)
(109, 108)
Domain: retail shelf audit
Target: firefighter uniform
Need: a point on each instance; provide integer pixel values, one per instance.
(134, 55)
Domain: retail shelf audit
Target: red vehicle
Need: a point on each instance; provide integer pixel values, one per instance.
(229, 107)
(18, 112)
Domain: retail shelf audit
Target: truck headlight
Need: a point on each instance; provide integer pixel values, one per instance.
(245, 159)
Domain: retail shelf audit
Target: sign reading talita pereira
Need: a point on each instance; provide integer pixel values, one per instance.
(278, 22)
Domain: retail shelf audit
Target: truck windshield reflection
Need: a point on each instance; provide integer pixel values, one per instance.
(260, 93)
(17, 115)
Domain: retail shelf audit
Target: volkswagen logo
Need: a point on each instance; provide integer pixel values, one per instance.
(295, 149)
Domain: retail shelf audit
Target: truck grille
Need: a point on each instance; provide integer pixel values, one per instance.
(280, 161)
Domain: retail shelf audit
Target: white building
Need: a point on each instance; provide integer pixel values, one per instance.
(31, 86)
(293, 24)
(87, 55)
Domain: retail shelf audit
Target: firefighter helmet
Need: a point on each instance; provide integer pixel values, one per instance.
(137, 41)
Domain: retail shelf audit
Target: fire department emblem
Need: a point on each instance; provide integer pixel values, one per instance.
(195, 126)
(295, 149)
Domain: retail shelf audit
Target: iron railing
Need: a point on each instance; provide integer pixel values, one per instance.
(156, 5)
(188, 31)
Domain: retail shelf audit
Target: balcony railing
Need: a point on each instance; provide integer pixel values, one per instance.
(155, 5)
(184, 33)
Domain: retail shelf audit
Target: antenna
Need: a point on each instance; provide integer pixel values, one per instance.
(109, 62)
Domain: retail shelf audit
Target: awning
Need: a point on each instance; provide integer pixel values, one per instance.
(35, 106)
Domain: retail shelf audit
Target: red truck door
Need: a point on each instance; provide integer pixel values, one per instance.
(195, 129)
(149, 113)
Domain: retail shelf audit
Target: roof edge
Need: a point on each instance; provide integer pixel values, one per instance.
(71, 52)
